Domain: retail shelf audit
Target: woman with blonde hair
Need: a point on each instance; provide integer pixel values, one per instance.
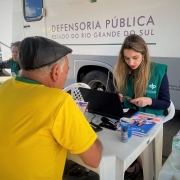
(140, 82)
(137, 77)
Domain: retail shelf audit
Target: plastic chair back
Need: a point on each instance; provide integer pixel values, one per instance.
(73, 89)
(171, 113)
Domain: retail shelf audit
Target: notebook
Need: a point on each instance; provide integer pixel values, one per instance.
(103, 103)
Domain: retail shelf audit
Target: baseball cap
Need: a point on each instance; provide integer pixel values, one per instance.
(36, 52)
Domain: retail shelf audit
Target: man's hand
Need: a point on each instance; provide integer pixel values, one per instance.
(142, 101)
(121, 97)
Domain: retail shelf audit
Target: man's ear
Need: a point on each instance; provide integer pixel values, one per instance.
(55, 74)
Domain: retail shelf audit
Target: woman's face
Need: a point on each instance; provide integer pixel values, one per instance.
(132, 58)
(14, 50)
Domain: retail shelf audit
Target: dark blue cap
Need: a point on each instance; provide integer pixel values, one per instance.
(36, 52)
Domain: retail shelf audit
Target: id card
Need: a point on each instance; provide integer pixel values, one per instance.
(127, 98)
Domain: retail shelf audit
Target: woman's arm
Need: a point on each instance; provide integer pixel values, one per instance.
(163, 101)
(5, 64)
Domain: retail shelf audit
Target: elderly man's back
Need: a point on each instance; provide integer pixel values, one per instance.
(36, 129)
(39, 122)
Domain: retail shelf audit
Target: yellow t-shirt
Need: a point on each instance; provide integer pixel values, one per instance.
(37, 126)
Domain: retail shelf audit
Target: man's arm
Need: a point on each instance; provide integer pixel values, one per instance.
(92, 156)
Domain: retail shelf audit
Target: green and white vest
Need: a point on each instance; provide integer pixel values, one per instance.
(157, 73)
(14, 66)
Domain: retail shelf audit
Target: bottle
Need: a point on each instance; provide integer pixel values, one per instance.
(175, 155)
(13, 73)
(124, 135)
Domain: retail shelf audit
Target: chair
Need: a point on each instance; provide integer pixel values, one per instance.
(73, 89)
(171, 113)
(6, 72)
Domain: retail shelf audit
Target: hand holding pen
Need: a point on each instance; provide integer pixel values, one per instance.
(140, 102)
(122, 98)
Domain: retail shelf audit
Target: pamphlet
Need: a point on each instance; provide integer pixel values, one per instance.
(82, 105)
(143, 122)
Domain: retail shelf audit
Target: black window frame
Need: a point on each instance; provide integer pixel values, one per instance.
(32, 19)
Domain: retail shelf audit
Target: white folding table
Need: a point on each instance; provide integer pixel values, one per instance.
(118, 156)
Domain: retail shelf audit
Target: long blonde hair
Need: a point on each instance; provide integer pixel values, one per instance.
(141, 75)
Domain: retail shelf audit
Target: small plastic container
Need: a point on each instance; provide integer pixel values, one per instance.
(127, 123)
(124, 135)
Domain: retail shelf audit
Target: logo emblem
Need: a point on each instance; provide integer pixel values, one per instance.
(152, 86)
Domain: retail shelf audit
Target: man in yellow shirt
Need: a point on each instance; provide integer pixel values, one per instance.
(39, 122)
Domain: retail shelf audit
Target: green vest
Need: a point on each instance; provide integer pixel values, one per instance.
(14, 66)
(157, 73)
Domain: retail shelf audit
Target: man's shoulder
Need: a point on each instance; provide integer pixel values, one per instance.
(55, 91)
(58, 94)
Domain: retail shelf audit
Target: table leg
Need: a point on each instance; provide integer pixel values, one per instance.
(147, 161)
(158, 144)
(111, 169)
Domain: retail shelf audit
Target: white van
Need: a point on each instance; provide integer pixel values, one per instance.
(95, 30)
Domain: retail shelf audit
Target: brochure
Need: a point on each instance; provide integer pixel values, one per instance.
(82, 105)
(143, 122)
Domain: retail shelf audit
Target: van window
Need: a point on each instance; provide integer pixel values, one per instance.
(33, 10)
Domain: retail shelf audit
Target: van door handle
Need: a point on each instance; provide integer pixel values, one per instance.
(26, 26)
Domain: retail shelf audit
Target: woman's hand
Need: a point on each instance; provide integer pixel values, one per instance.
(142, 101)
(121, 97)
